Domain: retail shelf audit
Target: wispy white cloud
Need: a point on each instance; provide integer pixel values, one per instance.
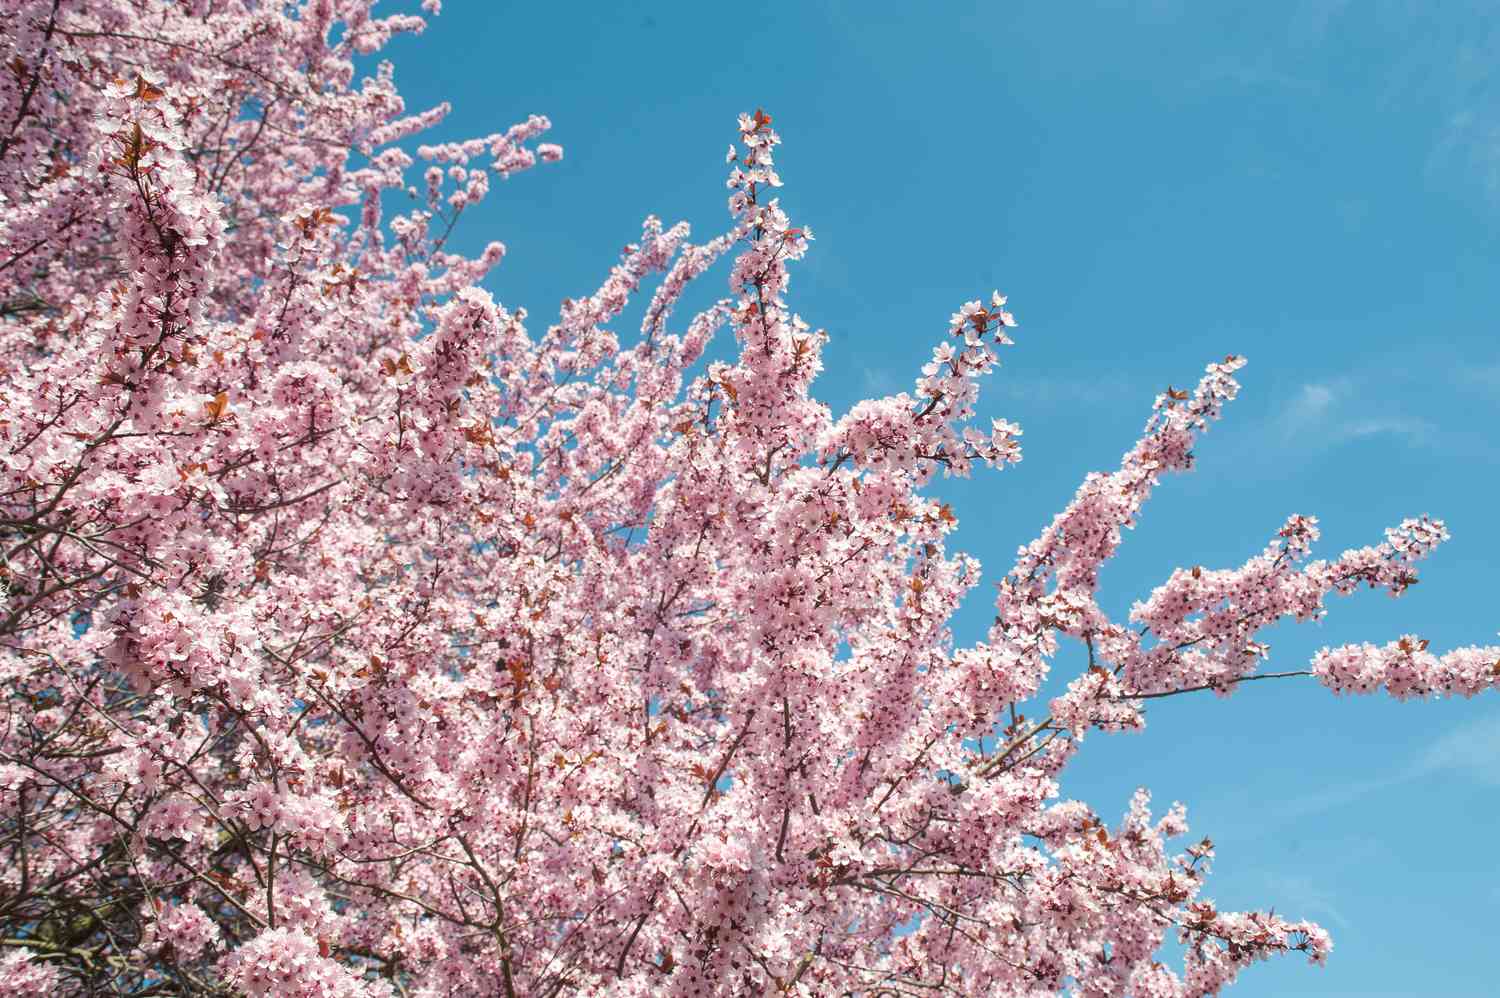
(1453, 68)
(1325, 413)
(1383, 401)
(1312, 403)
(1471, 751)
(1406, 427)
(1303, 897)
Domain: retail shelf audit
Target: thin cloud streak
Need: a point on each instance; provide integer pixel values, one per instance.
(1471, 751)
(1324, 414)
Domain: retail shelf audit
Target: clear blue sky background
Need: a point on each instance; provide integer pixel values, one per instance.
(1314, 184)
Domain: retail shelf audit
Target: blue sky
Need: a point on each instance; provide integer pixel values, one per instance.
(1313, 184)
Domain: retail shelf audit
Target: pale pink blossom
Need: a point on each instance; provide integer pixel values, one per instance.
(365, 635)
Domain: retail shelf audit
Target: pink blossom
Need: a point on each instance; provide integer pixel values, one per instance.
(365, 635)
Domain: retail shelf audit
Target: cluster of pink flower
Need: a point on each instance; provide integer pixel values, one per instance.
(356, 642)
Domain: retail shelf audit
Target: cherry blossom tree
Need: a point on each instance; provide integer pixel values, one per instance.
(361, 639)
